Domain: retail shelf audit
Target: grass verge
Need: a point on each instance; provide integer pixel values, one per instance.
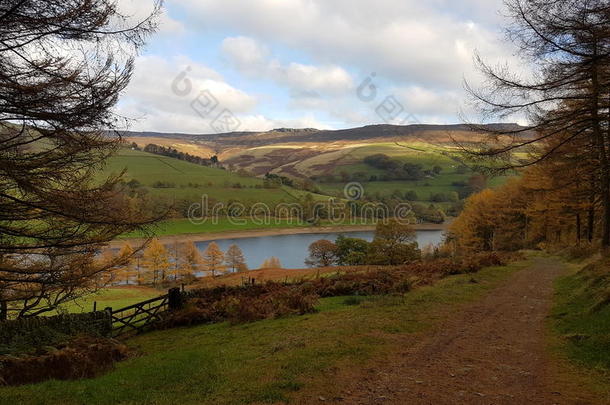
(581, 322)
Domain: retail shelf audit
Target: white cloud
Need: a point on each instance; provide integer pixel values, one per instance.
(254, 59)
(137, 10)
(162, 90)
(420, 51)
(262, 123)
(429, 43)
(246, 55)
(159, 99)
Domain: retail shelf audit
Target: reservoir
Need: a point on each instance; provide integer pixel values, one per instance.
(292, 250)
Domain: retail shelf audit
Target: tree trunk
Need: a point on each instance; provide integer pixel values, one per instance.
(591, 220)
(3, 311)
(603, 156)
(578, 228)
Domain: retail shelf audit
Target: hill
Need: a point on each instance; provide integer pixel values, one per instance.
(176, 179)
(434, 133)
(333, 158)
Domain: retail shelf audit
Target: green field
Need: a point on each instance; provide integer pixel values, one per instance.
(114, 297)
(426, 155)
(222, 364)
(186, 181)
(223, 224)
(190, 181)
(424, 188)
(186, 227)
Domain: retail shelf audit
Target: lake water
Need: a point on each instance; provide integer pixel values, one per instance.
(292, 250)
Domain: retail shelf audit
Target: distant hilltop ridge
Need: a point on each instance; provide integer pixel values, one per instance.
(368, 132)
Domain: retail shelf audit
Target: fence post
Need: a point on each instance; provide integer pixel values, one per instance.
(174, 299)
(108, 312)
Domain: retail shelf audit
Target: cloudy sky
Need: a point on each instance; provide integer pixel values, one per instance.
(257, 65)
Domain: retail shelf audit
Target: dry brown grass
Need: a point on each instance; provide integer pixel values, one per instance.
(263, 275)
(185, 146)
(83, 357)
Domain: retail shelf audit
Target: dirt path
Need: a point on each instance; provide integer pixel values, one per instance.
(495, 351)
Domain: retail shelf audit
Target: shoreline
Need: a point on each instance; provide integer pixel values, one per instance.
(253, 233)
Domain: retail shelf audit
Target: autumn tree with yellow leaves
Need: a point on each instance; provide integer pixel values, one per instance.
(235, 258)
(156, 260)
(190, 259)
(213, 259)
(271, 263)
(127, 272)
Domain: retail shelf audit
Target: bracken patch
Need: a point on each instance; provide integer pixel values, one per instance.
(82, 357)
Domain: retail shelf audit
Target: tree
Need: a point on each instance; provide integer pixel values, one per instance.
(63, 65)
(156, 261)
(213, 259)
(567, 43)
(543, 207)
(108, 259)
(394, 243)
(411, 195)
(351, 251)
(190, 259)
(271, 263)
(127, 271)
(139, 273)
(322, 253)
(235, 258)
(176, 268)
(477, 182)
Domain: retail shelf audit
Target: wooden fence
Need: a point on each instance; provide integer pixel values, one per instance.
(139, 317)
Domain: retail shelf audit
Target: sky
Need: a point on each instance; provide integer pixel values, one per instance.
(242, 65)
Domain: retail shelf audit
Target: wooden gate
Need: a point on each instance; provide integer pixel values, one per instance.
(138, 317)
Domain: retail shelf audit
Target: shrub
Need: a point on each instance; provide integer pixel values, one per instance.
(83, 357)
(581, 251)
(28, 334)
(243, 304)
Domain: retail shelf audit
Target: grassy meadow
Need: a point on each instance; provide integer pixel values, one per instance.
(222, 224)
(190, 181)
(427, 155)
(114, 297)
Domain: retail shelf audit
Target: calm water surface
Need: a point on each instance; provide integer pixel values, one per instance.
(292, 249)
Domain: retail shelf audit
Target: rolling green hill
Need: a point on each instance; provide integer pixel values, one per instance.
(327, 160)
(173, 178)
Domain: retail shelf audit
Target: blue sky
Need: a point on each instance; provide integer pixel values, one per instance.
(220, 65)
